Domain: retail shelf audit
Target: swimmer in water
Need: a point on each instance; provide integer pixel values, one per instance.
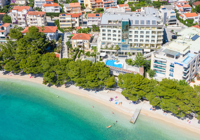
(57, 96)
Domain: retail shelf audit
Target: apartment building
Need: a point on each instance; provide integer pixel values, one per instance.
(193, 16)
(35, 18)
(3, 3)
(18, 15)
(93, 19)
(51, 32)
(19, 2)
(51, 7)
(72, 8)
(81, 40)
(92, 4)
(39, 3)
(180, 59)
(183, 7)
(132, 31)
(168, 14)
(4, 30)
(70, 20)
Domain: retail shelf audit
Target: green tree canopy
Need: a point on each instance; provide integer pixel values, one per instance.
(7, 19)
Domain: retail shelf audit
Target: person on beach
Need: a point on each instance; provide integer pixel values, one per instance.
(113, 113)
(113, 123)
(57, 96)
(92, 106)
(116, 121)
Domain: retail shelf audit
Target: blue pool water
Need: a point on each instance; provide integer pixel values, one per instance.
(188, 58)
(112, 63)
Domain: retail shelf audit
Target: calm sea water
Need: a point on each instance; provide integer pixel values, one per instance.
(32, 111)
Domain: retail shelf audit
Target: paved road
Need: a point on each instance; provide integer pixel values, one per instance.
(64, 48)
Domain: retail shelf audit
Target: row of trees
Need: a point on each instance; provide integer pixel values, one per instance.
(170, 95)
(29, 54)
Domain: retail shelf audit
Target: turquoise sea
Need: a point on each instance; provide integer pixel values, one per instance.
(30, 111)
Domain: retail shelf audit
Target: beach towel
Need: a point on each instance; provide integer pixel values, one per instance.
(116, 103)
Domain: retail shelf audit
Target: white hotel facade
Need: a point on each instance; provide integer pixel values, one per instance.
(180, 59)
(132, 31)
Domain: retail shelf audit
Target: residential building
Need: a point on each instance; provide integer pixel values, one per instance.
(4, 30)
(92, 4)
(180, 59)
(39, 3)
(2, 3)
(125, 6)
(132, 31)
(196, 26)
(81, 1)
(168, 14)
(72, 8)
(193, 16)
(70, 20)
(35, 18)
(82, 41)
(51, 32)
(19, 2)
(1, 17)
(51, 7)
(93, 19)
(195, 4)
(18, 15)
(183, 7)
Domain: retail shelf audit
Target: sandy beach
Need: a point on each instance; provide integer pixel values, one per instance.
(126, 108)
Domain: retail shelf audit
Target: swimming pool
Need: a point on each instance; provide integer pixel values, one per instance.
(112, 63)
(188, 58)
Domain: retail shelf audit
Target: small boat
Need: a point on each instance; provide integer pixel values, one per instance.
(109, 126)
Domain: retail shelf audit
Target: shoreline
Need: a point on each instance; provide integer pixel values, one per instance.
(126, 108)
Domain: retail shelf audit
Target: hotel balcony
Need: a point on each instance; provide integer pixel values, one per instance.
(160, 68)
(160, 63)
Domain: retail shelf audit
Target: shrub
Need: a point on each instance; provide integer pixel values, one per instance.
(151, 73)
(88, 54)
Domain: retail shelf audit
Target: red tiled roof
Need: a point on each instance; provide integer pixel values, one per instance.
(196, 26)
(123, 5)
(99, 1)
(108, 2)
(181, 15)
(36, 13)
(78, 27)
(94, 15)
(2, 13)
(20, 8)
(186, 5)
(58, 55)
(196, 3)
(178, 5)
(47, 29)
(50, 4)
(181, 10)
(190, 14)
(72, 15)
(5, 25)
(49, 0)
(75, 4)
(81, 36)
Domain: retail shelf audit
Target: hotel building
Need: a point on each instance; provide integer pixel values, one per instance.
(132, 31)
(72, 8)
(180, 59)
(35, 18)
(70, 20)
(92, 4)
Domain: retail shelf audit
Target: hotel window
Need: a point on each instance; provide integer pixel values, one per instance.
(104, 38)
(141, 40)
(130, 40)
(153, 36)
(152, 40)
(118, 31)
(148, 22)
(130, 35)
(109, 38)
(109, 30)
(147, 40)
(136, 36)
(103, 34)
(119, 35)
(103, 30)
(153, 22)
(147, 32)
(142, 22)
(147, 36)
(119, 39)
(141, 36)
(114, 39)
(137, 22)
(136, 32)
(141, 32)
(135, 40)
(114, 35)
(114, 31)
(109, 34)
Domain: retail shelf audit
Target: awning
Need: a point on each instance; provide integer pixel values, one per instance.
(103, 54)
(171, 52)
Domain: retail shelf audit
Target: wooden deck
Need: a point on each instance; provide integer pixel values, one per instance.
(136, 114)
